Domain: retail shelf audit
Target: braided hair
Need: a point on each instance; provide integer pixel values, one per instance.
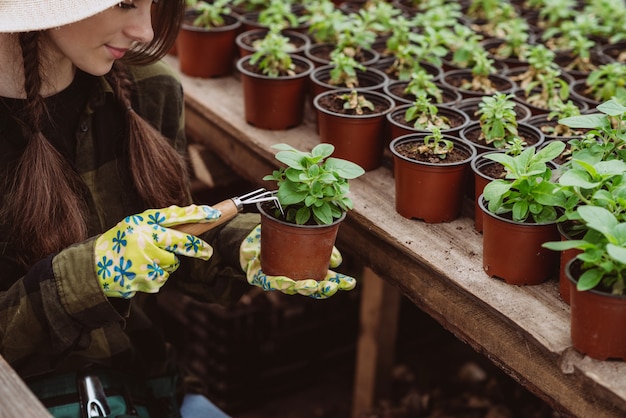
(44, 182)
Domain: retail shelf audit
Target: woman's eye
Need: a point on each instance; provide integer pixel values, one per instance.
(125, 5)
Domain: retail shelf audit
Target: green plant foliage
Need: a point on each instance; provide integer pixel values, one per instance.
(314, 186)
(527, 191)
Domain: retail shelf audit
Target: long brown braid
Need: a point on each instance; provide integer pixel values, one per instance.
(150, 153)
(43, 207)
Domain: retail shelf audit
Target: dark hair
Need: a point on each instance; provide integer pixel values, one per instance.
(44, 182)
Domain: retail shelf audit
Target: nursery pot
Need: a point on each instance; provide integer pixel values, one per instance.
(430, 191)
(597, 319)
(274, 103)
(357, 138)
(565, 286)
(513, 251)
(208, 52)
(480, 168)
(296, 251)
(398, 126)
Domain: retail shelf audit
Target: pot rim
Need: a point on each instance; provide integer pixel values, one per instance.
(287, 32)
(417, 136)
(224, 28)
(442, 107)
(594, 291)
(294, 57)
(520, 127)
(370, 70)
(530, 224)
(366, 92)
(261, 210)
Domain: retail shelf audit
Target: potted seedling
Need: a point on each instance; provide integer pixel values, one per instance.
(274, 83)
(596, 273)
(353, 120)
(520, 214)
(206, 41)
(345, 72)
(313, 191)
(593, 175)
(481, 79)
(602, 84)
(422, 116)
(430, 172)
(497, 125)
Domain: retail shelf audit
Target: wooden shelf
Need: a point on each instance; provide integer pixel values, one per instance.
(524, 330)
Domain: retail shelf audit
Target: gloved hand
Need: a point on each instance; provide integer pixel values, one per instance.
(249, 257)
(139, 253)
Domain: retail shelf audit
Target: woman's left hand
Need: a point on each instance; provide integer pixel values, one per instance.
(250, 260)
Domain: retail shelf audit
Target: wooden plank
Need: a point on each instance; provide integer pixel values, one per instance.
(380, 304)
(16, 399)
(524, 330)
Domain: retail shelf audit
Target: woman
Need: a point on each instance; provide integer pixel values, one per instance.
(91, 126)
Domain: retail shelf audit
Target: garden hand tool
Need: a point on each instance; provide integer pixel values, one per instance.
(229, 209)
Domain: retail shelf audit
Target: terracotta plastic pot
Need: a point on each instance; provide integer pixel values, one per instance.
(357, 138)
(455, 79)
(274, 103)
(399, 127)
(370, 79)
(208, 53)
(245, 40)
(432, 192)
(513, 252)
(530, 134)
(395, 89)
(478, 165)
(470, 106)
(296, 251)
(597, 320)
(565, 286)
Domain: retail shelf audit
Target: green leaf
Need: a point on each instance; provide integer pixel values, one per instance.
(549, 152)
(598, 218)
(577, 178)
(323, 213)
(346, 169)
(617, 253)
(612, 108)
(291, 158)
(589, 279)
(322, 150)
(303, 215)
(565, 245)
(591, 121)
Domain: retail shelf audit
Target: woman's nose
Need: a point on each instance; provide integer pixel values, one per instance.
(140, 28)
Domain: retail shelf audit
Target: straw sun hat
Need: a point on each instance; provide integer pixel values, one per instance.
(31, 15)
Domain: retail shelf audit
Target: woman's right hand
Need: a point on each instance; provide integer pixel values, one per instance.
(139, 253)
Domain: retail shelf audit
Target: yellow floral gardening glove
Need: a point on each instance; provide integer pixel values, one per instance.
(139, 253)
(249, 257)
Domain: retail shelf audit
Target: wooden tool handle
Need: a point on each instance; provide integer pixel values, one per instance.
(229, 211)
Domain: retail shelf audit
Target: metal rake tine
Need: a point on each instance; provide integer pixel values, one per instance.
(265, 197)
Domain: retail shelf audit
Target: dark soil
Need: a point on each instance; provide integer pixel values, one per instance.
(294, 42)
(398, 90)
(334, 103)
(454, 120)
(494, 171)
(498, 83)
(473, 135)
(322, 51)
(299, 68)
(409, 150)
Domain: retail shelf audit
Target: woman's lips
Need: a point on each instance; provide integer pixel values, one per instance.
(117, 53)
